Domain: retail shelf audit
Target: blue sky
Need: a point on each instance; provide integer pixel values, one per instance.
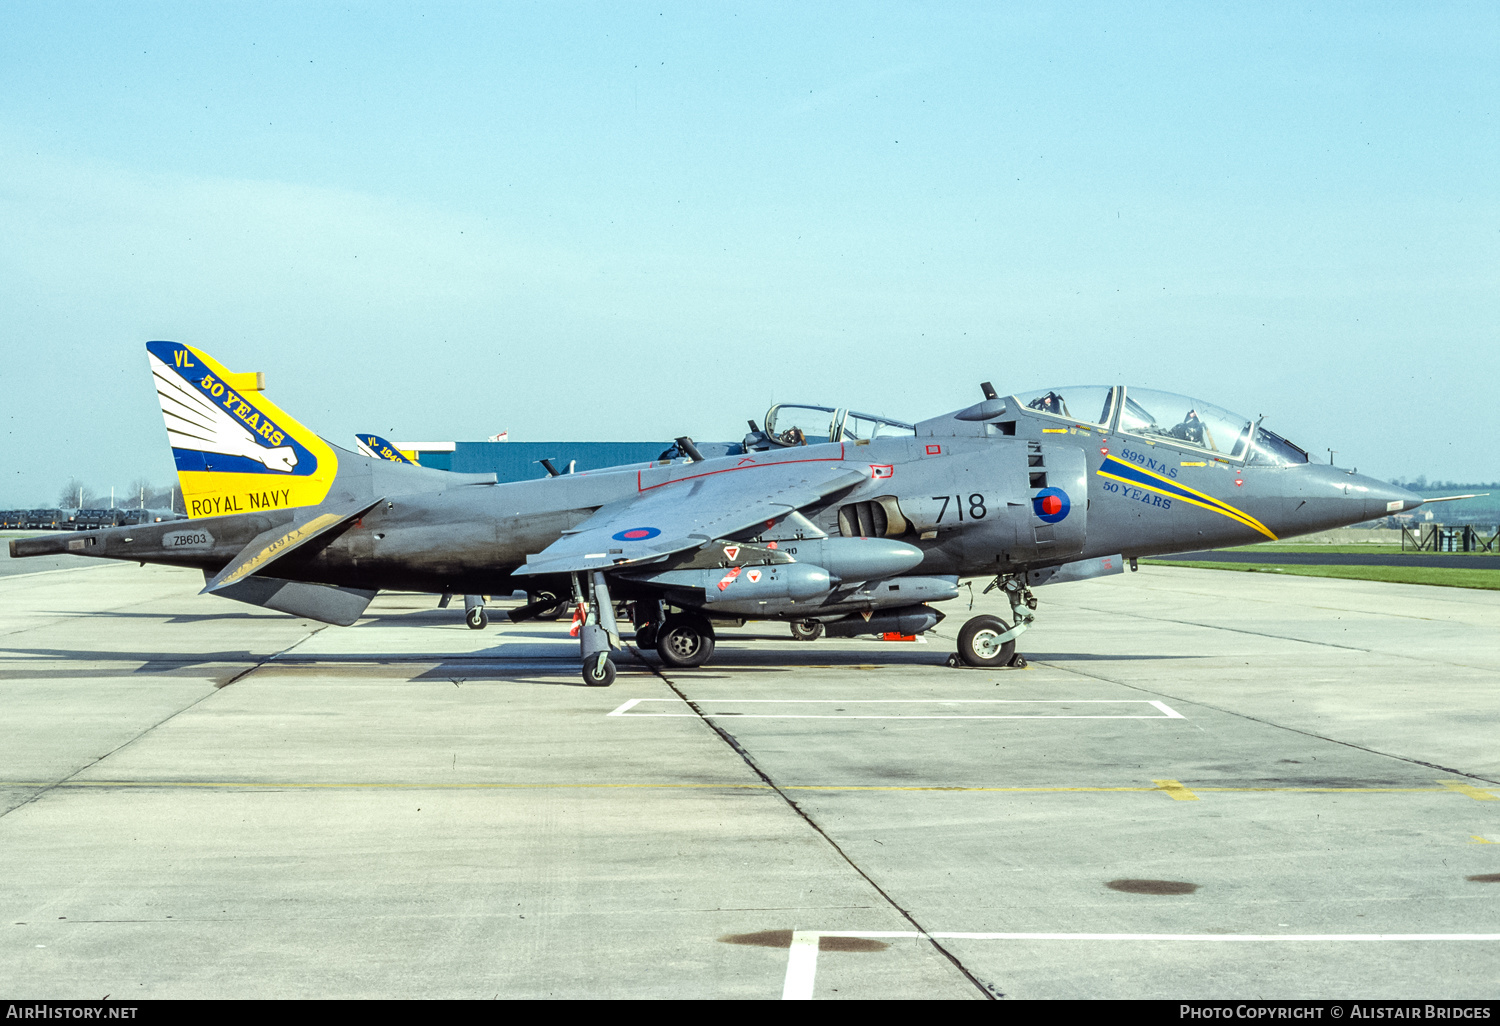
(630, 222)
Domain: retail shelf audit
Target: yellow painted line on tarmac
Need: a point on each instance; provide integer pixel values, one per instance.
(1175, 790)
(1331, 790)
(1468, 789)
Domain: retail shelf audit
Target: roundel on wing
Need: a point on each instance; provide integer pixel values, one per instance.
(1050, 505)
(636, 534)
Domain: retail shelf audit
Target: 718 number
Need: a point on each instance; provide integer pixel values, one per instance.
(976, 506)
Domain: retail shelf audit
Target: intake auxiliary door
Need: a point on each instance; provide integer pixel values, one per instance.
(1057, 480)
(1046, 515)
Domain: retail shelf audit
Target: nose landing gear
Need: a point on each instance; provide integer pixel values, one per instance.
(988, 641)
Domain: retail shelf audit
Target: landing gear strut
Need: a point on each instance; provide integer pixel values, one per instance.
(648, 621)
(597, 635)
(988, 640)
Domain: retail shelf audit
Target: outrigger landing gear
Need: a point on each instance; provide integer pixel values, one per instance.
(597, 635)
(474, 614)
(989, 641)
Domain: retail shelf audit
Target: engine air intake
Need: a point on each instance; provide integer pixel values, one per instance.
(874, 518)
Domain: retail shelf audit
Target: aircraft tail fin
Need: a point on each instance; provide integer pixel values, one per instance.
(235, 450)
(373, 445)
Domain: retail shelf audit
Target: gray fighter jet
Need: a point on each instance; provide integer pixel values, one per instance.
(850, 536)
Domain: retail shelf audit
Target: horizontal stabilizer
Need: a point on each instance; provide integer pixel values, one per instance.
(322, 602)
(271, 545)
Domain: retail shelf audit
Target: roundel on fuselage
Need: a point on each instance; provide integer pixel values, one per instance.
(1050, 505)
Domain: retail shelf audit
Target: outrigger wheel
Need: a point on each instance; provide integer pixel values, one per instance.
(685, 640)
(807, 630)
(476, 618)
(979, 643)
(599, 670)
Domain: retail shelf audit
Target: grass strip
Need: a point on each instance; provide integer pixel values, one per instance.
(1372, 550)
(1443, 577)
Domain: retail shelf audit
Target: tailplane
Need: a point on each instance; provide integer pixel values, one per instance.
(236, 451)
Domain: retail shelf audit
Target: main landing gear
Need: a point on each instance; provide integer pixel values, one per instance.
(988, 641)
(684, 640)
(807, 630)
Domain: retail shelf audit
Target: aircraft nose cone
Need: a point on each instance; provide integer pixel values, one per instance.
(1383, 499)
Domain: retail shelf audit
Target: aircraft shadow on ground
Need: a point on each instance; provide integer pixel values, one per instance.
(230, 614)
(151, 664)
(1109, 657)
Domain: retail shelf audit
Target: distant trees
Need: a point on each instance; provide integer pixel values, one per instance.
(1421, 484)
(141, 492)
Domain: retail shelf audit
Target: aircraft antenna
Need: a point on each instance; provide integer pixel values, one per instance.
(989, 390)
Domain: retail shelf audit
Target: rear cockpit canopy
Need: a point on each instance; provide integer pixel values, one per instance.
(1165, 417)
(789, 424)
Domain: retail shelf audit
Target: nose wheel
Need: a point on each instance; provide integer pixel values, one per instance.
(986, 641)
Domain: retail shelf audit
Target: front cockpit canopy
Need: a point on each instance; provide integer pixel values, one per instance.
(1165, 417)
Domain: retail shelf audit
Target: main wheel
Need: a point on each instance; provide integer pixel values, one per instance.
(599, 671)
(645, 635)
(548, 614)
(685, 641)
(807, 630)
(476, 618)
(979, 642)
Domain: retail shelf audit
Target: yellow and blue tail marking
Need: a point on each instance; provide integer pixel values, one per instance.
(236, 451)
(374, 445)
(1140, 477)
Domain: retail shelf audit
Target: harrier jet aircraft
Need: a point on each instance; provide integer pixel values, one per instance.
(855, 535)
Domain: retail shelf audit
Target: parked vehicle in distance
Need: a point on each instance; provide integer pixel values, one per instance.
(43, 519)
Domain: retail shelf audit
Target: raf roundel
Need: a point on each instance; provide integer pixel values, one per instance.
(637, 534)
(1050, 505)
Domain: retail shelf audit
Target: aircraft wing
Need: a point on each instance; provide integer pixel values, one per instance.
(690, 512)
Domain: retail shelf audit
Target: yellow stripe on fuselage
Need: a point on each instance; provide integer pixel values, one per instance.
(1192, 496)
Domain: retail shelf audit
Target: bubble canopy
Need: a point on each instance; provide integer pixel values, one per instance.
(1166, 417)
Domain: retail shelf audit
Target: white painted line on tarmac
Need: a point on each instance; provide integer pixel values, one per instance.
(801, 966)
(1163, 711)
(802, 958)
